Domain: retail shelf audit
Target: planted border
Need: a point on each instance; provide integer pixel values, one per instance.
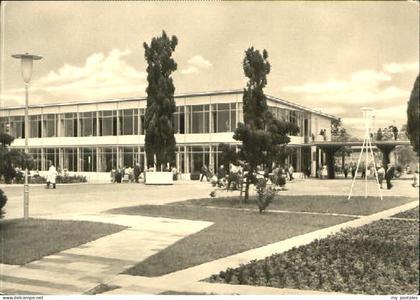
(379, 258)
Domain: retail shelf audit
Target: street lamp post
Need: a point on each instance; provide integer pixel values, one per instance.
(26, 69)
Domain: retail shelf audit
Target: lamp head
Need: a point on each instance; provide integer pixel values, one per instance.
(26, 65)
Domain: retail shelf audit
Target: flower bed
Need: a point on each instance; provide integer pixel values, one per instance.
(37, 179)
(409, 214)
(3, 200)
(379, 258)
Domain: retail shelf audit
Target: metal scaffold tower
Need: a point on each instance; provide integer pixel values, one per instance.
(368, 118)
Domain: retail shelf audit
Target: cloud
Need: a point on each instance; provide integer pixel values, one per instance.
(189, 70)
(195, 64)
(365, 87)
(362, 88)
(395, 68)
(199, 62)
(102, 76)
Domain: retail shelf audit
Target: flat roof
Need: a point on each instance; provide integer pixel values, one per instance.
(182, 95)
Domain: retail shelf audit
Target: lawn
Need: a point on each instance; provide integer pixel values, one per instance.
(322, 204)
(233, 231)
(378, 258)
(25, 241)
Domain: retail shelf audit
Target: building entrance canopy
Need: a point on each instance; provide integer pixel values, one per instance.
(331, 147)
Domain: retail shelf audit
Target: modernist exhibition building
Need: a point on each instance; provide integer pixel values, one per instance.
(92, 137)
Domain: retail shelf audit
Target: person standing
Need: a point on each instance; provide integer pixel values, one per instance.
(204, 172)
(389, 174)
(136, 172)
(324, 172)
(353, 171)
(291, 170)
(346, 170)
(118, 175)
(363, 171)
(221, 174)
(52, 176)
(381, 175)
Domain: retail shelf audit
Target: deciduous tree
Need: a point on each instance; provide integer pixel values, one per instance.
(261, 135)
(12, 158)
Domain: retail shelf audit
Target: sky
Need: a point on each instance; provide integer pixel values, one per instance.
(331, 56)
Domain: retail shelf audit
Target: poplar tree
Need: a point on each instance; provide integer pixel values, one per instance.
(413, 117)
(160, 139)
(262, 135)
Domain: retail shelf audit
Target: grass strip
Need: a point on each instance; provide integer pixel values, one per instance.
(23, 241)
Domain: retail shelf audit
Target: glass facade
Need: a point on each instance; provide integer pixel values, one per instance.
(107, 123)
(68, 125)
(188, 119)
(35, 126)
(88, 159)
(50, 156)
(108, 159)
(129, 122)
(70, 159)
(49, 125)
(88, 124)
(36, 154)
(17, 126)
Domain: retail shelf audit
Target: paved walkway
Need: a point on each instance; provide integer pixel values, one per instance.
(77, 270)
(95, 198)
(181, 280)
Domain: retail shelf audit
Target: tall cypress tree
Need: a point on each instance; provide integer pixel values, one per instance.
(160, 138)
(263, 137)
(413, 116)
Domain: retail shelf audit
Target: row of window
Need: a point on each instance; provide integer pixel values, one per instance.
(222, 117)
(187, 119)
(103, 159)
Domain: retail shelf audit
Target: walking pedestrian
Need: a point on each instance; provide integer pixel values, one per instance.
(136, 172)
(389, 174)
(52, 176)
(291, 170)
(204, 172)
(381, 175)
(324, 172)
(353, 171)
(346, 170)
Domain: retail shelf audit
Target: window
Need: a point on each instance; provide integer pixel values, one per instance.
(142, 125)
(179, 120)
(130, 156)
(107, 123)
(50, 157)
(37, 157)
(35, 126)
(224, 117)
(129, 121)
(49, 125)
(69, 125)
(88, 124)
(70, 159)
(199, 155)
(88, 159)
(17, 126)
(4, 124)
(108, 159)
(199, 119)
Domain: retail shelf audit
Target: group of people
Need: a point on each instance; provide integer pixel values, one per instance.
(126, 174)
(387, 174)
(234, 176)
